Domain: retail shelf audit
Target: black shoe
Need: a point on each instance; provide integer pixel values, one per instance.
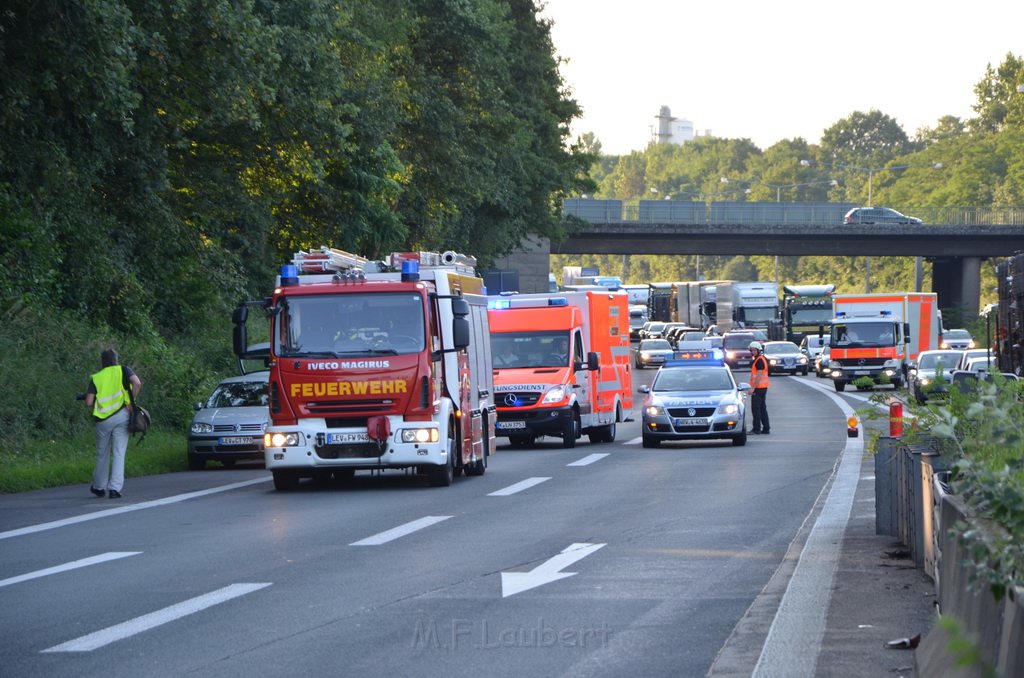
(98, 493)
(756, 433)
(764, 433)
(114, 494)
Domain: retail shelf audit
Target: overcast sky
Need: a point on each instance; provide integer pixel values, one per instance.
(769, 71)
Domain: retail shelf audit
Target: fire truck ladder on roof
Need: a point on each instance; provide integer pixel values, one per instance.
(328, 259)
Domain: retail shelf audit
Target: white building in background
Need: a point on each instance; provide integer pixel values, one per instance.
(670, 130)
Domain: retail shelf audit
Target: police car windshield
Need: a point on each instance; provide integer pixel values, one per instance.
(693, 379)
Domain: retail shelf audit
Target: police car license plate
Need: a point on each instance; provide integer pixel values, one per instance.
(510, 424)
(235, 440)
(342, 438)
(691, 421)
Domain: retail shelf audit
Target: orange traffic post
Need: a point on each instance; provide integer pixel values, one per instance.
(895, 418)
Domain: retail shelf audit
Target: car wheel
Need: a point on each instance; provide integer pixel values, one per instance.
(650, 441)
(741, 439)
(840, 385)
(571, 431)
(443, 475)
(603, 434)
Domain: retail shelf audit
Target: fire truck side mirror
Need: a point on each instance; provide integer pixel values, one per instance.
(593, 361)
(240, 337)
(460, 323)
(906, 333)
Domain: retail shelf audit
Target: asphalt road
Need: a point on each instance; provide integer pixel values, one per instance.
(603, 560)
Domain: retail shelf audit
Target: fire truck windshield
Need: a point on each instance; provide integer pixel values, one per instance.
(864, 334)
(330, 325)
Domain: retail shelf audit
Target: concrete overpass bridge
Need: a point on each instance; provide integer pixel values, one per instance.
(955, 240)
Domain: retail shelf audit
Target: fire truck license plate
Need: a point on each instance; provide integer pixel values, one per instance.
(341, 438)
(510, 424)
(696, 421)
(235, 440)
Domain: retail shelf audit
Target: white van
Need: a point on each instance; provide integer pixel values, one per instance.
(812, 344)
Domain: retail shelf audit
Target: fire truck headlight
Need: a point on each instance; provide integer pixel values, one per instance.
(555, 395)
(202, 427)
(421, 435)
(281, 439)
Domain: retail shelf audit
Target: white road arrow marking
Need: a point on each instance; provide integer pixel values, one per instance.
(547, 572)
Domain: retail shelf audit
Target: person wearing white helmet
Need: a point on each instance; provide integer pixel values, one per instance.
(759, 390)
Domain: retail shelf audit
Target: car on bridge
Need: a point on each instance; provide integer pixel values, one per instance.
(877, 215)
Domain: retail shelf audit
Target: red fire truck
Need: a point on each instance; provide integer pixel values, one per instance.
(377, 365)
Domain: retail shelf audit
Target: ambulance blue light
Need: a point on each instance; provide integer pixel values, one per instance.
(558, 301)
(840, 314)
(410, 271)
(886, 313)
(499, 304)
(289, 274)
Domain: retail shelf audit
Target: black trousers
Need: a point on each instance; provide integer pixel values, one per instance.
(759, 410)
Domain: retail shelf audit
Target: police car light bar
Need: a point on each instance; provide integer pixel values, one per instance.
(712, 356)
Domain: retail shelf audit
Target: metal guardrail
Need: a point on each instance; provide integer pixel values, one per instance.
(754, 213)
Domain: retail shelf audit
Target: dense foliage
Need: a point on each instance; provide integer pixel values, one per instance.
(158, 160)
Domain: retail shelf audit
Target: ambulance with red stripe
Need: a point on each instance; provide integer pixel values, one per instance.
(377, 365)
(877, 335)
(561, 365)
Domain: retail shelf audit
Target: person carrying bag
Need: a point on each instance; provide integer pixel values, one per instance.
(110, 394)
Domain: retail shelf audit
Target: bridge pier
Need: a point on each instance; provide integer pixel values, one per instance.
(957, 281)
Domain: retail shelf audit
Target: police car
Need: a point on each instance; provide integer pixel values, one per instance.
(694, 397)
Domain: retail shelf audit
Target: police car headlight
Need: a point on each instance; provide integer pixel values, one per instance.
(202, 427)
(281, 439)
(728, 408)
(420, 435)
(654, 410)
(555, 395)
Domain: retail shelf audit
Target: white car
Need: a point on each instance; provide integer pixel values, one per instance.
(812, 344)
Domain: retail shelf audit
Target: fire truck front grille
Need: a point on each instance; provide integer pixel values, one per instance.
(345, 422)
(327, 408)
(861, 362)
(349, 451)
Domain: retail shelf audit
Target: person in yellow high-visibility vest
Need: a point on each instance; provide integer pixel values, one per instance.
(108, 396)
(759, 390)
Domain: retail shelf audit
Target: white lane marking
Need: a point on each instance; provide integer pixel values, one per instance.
(73, 565)
(547, 572)
(126, 509)
(518, 487)
(634, 441)
(153, 619)
(589, 459)
(794, 639)
(400, 531)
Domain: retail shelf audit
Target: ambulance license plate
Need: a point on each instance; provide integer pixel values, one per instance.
(234, 440)
(695, 421)
(510, 424)
(861, 372)
(342, 438)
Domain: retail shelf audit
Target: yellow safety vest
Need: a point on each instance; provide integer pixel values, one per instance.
(759, 372)
(111, 395)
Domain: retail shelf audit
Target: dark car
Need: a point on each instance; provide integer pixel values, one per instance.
(229, 425)
(957, 340)
(785, 357)
(877, 215)
(737, 349)
(652, 353)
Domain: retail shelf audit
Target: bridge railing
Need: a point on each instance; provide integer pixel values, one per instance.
(754, 213)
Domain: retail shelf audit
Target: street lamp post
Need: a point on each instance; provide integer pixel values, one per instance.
(874, 170)
(778, 187)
